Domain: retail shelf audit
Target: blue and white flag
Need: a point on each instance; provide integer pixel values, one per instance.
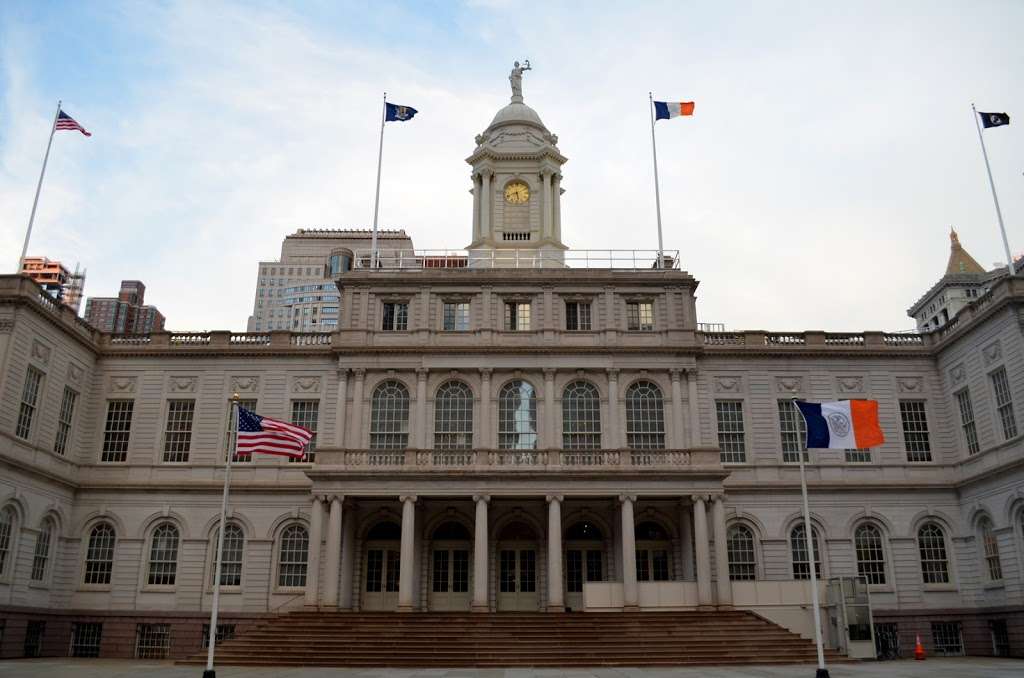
(399, 113)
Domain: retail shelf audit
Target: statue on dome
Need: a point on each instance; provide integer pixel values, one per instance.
(516, 78)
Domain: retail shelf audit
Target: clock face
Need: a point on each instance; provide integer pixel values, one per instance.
(517, 192)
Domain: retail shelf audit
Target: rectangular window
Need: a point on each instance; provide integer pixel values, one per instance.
(117, 429)
(67, 414)
(517, 316)
(640, 316)
(963, 399)
(305, 413)
(152, 641)
(232, 425)
(29, 397)
(1004, 403)
(85, 639)
(396, 317)
(793, 429)
(915, 430)
(948, 639)
(178, 433)
(34, 633)
(224, 632)
(731, 438)
(858, 455)
(456, 317)
(577, 316)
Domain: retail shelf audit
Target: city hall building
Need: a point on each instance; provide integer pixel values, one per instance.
(514, 427)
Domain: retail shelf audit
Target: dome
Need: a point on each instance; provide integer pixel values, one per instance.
(517, 113)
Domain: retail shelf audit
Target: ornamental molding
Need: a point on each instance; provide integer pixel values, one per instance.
(992, 353)
(308, 384)
(245, 384)
(6, 324)
(728, 384)
(789, 384)
(123, 384)
(182, 384)
(75, 373)
(957, 374)
(850, 384)
(40, 352)
(909, 384)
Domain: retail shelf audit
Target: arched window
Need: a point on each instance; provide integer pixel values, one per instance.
(739, 542)
(453, 417)
(932, 545)
(517, 416)
(163, 555)
(293, 556)
(41, 557)
(6, 530)
(581, 417)
(645, 416)
(389, 417)
(991, 546)
(99, 555)
(231, 560)
(867, 542)
(798, 547)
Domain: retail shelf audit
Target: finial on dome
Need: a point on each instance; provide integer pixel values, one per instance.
(515, 78)
(953, 238)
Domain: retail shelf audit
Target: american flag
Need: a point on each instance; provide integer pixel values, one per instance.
(65, 121)
(269, 436)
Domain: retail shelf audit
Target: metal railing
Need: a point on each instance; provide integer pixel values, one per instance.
(406, 260)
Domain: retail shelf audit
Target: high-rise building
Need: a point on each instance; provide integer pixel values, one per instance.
(125, 314)
(56, 279)
(298, 291)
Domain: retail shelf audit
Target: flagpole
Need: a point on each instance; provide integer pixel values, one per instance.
(376, 200)
(210, 672)
(995, 198)
(657, 190)
(822, 672)
(39, 186)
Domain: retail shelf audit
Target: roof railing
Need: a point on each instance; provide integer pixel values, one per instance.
(412, 260)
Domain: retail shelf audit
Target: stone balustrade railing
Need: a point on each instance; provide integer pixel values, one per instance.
(523, 460)
(752, 340)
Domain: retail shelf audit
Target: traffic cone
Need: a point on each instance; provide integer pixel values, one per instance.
(918, 649)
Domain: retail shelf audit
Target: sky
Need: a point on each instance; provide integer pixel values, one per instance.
(831, 150)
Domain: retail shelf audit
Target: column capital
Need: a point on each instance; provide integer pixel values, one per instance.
(342, 373)
(320, 497)
(623, 498)
(359, 373)
(549, 373)
(485, 498)
(554, 497)
(486, 172)
(546, 172)
(613, 372)
(676, 373)
(331, 498)
(421, 373)
(717, 497)
(407, 498)
(699, 498)
(486, 372)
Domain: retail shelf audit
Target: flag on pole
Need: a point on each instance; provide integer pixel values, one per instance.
(65, 121)
(399, 113)
(664, 110)
(994, 119)
(269, 436)
(842, 424)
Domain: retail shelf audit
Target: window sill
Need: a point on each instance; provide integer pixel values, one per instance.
(225, 590)
(881, 588)
(39, 585)
(993, 585)
(93, 588)
(158, 588)
(940, 588)
(289, 590)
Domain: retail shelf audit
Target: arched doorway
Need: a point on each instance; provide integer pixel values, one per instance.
(381, 566)
(584, 560)
(517, 568)
(653, 552)
(449, 568)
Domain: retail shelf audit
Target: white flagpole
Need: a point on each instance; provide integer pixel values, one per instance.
(210, 672)
(35, 202)
(822, 672)
(657, 190)
(376, 200)
(995, 198)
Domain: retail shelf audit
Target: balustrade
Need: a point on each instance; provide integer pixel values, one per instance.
(515, 459)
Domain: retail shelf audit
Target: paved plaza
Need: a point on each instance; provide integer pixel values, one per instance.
(966, 667)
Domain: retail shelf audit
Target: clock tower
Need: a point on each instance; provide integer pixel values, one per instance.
(516, 188)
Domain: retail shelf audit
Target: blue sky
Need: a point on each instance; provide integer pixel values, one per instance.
(831, 149)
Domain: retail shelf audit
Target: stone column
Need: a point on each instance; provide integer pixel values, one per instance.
(485, 203)
(630, 590)
(316, 525)
(545, 178)
(339, 423)
(614, 439)
(686, 539)
(420, 441)
(721, 552)
(550, 427)
(332, 570)
(348, 555)
(700, 540)
(556, 592)
(480, 551)
(556, 192)
(477, 189)
(696, 439)
(407, 566)
(486, 441)
(679, 437)
(355, 433)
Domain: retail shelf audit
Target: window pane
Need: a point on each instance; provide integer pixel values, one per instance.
(231, 560)
(99, 557)
(731, 439)
(292, 557)
(1004, 403)
(793, 429)
(306, 413)
(116, 430)
(581, 417)
(740, 548)
(932, 546)
(389, 417)
(178, 433)
(67, 413)
(645, 416)
(517, 416)
(640, 316)
(163, 556)
(915, 430)
(870, 556)
(991, 546)
(29, 397)
(453, 417)
(232, 425)
(963, 399)
(42, 553)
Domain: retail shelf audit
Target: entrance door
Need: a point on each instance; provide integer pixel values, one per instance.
(653, 549)
(517, 577)
(381, 568)
(584, 561)
(450, 578)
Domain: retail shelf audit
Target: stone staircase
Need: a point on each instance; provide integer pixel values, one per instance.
(451, 640)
